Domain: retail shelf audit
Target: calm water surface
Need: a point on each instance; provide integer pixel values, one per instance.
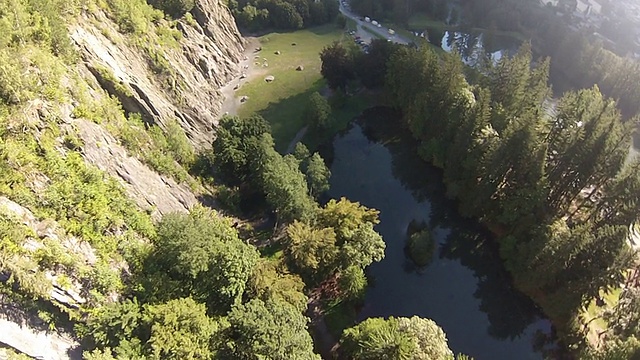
(465, 289)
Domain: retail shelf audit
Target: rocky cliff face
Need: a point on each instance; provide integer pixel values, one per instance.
(162, 82)
(180, 82)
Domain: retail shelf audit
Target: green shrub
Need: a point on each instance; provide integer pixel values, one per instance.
(178, 144)
(133, 16)
(173, 8)
(421, 247)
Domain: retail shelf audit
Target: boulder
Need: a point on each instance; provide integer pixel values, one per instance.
(244, 98)
(277, 52)
(269, 78)
(293, 44)
(300, 68)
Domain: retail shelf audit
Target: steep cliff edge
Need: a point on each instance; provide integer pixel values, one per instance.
(180, 81)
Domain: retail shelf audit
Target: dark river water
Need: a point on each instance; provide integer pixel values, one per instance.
(464, 289)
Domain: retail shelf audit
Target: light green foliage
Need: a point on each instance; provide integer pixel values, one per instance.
(624, 318)
(134, 16)
(178, 144)
(177, 329)
(616, 349)
(98, 354)
(346, 216)
(200, 254)
(376, 338)
(431, 341)
(363, 248)
(168, 152)
(269, 281)
(318, 111)
(14, 263)
(180, 329)
(10, 354)
(317, 174)
(353, 283)
(87, 203)
(360, 244)
(342, 236)
(396, 339)
(302, 154)
(269, 329)
(312, 250)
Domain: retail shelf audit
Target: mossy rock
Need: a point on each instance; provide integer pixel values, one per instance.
(420, 247)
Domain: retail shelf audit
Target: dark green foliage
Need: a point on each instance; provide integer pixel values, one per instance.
(317, 174)
(372, 67)
(318, 111)
(553, 186)
(233, 149)
(283, 183)
(173, 8)
(421, 247)
(283, 14)
(337, 66)
(268, 329)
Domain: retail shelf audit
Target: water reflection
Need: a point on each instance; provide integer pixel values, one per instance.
(473, 46)
(465, 290)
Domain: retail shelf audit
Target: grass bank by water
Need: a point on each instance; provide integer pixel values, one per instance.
(283, 101)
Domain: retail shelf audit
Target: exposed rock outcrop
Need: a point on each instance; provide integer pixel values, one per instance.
(150, 190)
(19, 332)
(205, 60)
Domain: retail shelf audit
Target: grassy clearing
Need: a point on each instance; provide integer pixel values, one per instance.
(593, 314)
(282, 102)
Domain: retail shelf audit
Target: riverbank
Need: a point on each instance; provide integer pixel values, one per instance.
(465, 289)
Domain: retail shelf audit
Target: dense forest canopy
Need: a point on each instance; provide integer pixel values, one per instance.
(556, 184)
(577, 56)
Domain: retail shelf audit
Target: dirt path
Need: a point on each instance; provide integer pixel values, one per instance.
(296, 139)
(231, 102)
(325, 343)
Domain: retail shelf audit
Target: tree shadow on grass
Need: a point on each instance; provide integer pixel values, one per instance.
(324, 29)
(286, 116)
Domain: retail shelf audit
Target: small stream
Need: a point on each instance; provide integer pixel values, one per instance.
(465, 288)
